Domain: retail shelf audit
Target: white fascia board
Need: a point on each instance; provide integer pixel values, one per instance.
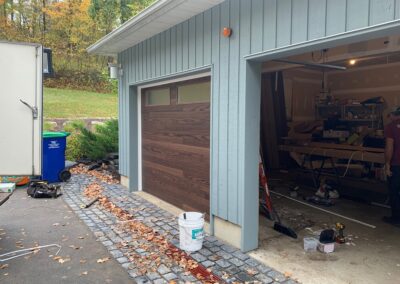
(155, 19)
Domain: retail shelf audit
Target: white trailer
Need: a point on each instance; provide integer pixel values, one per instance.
(22, 66)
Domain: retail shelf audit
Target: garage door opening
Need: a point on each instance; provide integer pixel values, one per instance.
(322, 134)
(176, 143)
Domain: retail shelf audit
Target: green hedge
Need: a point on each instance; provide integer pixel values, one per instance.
(95, 145)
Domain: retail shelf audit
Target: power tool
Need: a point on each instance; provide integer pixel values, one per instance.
(340, 239)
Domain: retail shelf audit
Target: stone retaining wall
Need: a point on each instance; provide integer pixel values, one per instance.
(57, 124)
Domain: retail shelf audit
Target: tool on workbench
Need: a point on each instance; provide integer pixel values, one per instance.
(340, 239)
(84, 206)
(266, 205)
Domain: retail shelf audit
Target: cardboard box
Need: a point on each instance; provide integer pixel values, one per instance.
(7, 187)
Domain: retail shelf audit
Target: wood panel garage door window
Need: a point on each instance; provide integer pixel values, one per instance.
(176, 143)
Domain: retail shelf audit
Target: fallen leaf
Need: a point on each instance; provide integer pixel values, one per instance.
(62, 260)
(3, 266)
(56, 224)
(82, 261)
(224, 275)
(288, 274)
(5, 274)
(75, 247)
(251, 271)
(81, 238)
(84, 273)
(102, 260)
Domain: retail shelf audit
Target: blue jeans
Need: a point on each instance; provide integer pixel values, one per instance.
(394, 191)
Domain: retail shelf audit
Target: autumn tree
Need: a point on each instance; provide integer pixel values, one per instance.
(109, 14)
(105, 13)
(68, 27)
(72, 30)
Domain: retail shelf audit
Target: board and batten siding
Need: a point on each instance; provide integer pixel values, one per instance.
(257, 25)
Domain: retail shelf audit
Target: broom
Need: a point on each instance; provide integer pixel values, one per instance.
(267, 208)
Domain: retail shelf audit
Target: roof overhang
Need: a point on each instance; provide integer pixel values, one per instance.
(158, 17)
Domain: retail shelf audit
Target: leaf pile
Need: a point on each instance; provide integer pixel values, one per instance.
(103, 176)
(149, 249)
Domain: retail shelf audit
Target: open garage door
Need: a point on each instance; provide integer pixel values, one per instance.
(176, 143)
(20, 109)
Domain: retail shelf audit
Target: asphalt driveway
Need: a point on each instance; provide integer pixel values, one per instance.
(26, 222)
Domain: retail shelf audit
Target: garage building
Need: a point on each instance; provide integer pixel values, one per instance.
(196, 78)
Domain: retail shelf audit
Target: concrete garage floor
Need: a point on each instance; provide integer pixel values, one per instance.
(373, 258)
(48, 221)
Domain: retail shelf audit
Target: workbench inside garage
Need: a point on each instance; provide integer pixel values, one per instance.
(339, 151)
(343, 156)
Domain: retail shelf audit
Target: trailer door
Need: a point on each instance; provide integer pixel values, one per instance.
(20, 109)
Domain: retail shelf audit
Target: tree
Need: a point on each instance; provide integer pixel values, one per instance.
(105, 13)
(68, 27)
(108, 14)
(138, 5)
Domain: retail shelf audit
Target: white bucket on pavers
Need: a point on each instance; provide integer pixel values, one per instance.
(191, 231)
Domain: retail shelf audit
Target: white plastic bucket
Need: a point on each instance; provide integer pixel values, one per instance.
(310, 244)
(191, 231)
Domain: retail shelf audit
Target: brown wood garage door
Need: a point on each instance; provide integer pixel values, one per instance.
(176, 143)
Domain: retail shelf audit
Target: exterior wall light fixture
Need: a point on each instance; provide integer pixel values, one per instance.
(115, 70)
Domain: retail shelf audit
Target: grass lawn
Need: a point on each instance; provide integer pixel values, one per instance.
(60, 103)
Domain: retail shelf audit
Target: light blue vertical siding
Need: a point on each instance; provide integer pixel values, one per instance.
(299, 26)
(234, 61)
(245, 48)
(257, 25)
(335, 17)
(357, 14)
(217, 201)
(316, 14)
(199, 40)
(283, 22)
(223, 142)
(270, 19)
(381, 10)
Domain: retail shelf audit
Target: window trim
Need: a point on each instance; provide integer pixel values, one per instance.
(173, 91)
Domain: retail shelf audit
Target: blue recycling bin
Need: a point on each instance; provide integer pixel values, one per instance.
(53, 163)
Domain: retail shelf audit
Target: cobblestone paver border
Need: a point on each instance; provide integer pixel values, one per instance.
(220, 257)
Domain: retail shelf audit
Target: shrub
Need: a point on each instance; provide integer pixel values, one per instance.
(74, 150)
(89, 80)
(48, 126)
(95, 145)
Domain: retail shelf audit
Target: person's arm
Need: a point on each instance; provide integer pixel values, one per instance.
(388, 155)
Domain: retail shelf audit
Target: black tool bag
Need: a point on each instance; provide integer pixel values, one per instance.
(41, 189)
